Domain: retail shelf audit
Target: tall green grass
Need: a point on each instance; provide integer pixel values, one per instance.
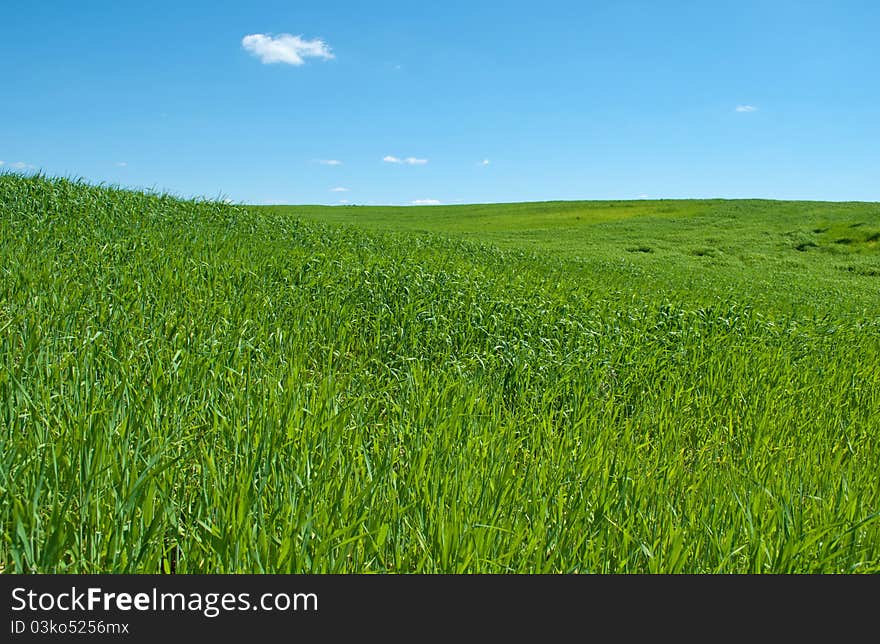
(188, 386)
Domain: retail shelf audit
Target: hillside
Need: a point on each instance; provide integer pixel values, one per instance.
(781, 255)
(189, 386)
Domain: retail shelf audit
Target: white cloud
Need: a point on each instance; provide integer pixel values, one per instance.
(122, 164)
(746, 108)
(19, 165)
(643, 196)
(343, 201)
(339, 189)
(407, 160)
(485, 162)
(425, 202)
(329, 161)
(285, 48)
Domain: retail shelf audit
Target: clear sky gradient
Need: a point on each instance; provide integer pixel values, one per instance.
(456, 102)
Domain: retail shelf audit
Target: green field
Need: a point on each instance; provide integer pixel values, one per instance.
(783, 256)
(610, 387)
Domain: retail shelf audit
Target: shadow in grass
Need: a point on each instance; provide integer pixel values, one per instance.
(864, 272)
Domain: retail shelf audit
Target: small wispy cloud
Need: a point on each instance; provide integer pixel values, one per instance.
(407, 160)
(425, 202)
(338, 189)
(485, 162)
(329, 161)
(343, 201)
(19, 165)
(122, 164)
(746, 108)
(285, 48)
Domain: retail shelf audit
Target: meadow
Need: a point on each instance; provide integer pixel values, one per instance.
(190, 386)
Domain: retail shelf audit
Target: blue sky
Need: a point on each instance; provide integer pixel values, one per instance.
(489, 101)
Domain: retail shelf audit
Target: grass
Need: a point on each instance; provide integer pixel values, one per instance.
(189, 386)
(777, 255)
